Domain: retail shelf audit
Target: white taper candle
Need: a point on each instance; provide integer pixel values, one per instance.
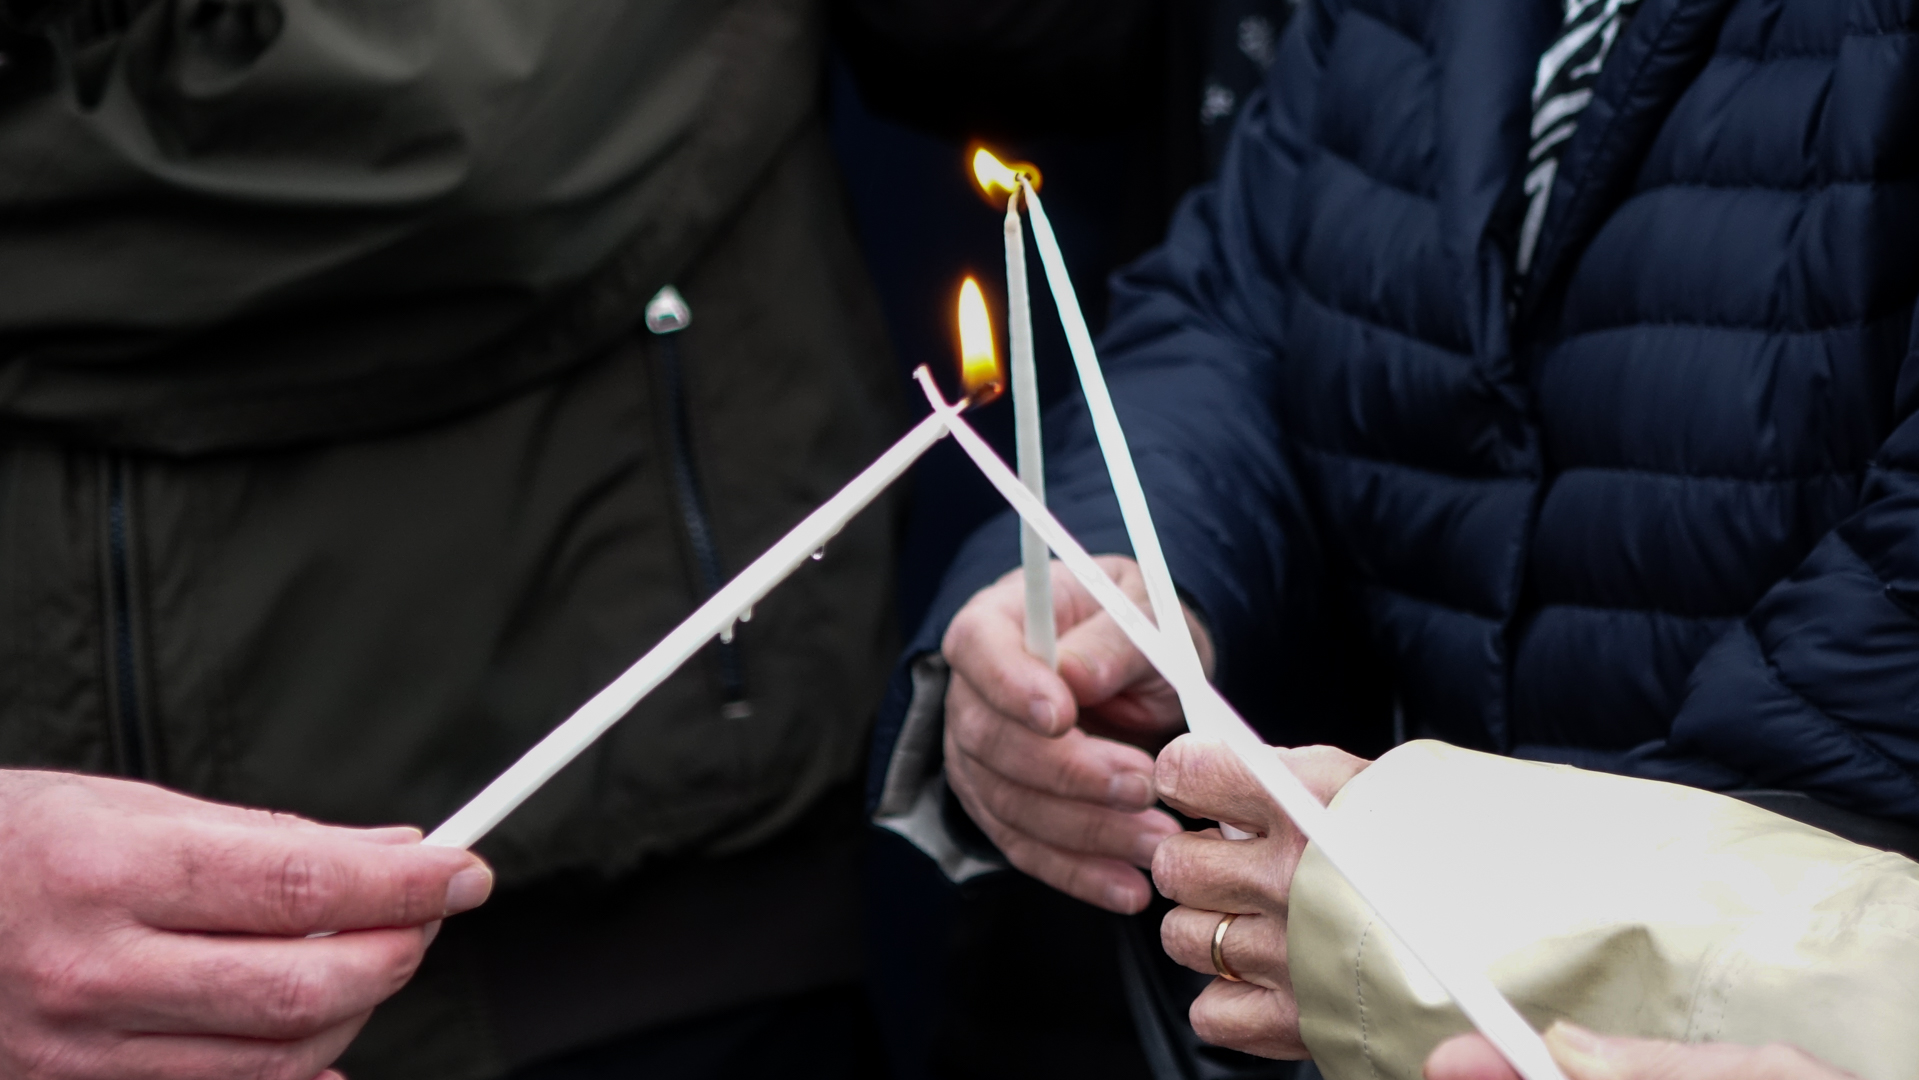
(1040, 630)
(1112, 439)
(1209, 714)
(716, 616)
(1133, 510)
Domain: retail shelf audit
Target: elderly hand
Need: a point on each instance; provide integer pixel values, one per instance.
(1587, 1056)
(146, 934)
(1050, 764)
(1213, 878)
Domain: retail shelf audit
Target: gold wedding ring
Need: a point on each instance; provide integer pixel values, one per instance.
(1219, 949)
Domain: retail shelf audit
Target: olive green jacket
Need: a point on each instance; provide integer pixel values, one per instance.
(336, 466)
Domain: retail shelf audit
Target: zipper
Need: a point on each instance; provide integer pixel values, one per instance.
(129, 728)
(666, 316)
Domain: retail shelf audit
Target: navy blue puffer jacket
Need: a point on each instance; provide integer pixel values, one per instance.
(1663, 517)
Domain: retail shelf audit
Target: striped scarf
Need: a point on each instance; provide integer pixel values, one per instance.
(1561, 91)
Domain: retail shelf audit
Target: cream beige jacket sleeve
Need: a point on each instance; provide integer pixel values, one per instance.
(1630, 906)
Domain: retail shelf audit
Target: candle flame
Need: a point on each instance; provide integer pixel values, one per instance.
(979, 364)
(998, 179)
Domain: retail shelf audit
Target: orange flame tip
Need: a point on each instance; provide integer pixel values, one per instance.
(996, 178)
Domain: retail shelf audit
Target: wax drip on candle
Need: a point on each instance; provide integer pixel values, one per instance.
(818, 555)
(746, 613)
(726, 635)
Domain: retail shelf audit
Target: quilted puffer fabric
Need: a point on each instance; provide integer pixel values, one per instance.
(1661, 516)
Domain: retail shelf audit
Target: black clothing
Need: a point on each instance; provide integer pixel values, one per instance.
(823, 1035)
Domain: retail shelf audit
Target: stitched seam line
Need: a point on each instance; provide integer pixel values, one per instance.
(1302, 283)
(1427, 197)
(1415, 598)
(1359, 996)
(1400, 466)
(1365, 11)
(1712, 478)
(1864, 323)
(1832, 56)
(1802, 191)
(1603, 609)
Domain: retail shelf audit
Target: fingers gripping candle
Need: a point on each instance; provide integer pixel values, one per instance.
(1209, 714)
(1023, 181)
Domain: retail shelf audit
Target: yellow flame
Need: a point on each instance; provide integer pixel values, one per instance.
(979, 365)
(996, 177)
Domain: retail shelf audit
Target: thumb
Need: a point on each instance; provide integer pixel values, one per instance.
(1586, 1055)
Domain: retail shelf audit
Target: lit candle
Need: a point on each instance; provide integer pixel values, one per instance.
(1038, 574)
(733, 603)
(1209, 714)
(1167, 611)
(993, 174)
(1030, 455)
(979, 371)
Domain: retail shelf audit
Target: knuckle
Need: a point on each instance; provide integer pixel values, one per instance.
(998, 798)
(403, 960)
(1081, 880)
(301, 890)
(45, 1058)
(1080, 776)
(1091, 831)
(65, 989)
(296, 1002)
(82, 873)
(1029, 858)
(968, 727)
(963, 631)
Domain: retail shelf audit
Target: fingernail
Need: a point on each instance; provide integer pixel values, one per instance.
(1166, 771)
(1120, 898)
(1043, 714)
(1579, 1051)
(1130, 791)
(468, 889)
(432, 931)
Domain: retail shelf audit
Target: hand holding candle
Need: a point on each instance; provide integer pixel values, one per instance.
(1020, 181)
(1208, 714)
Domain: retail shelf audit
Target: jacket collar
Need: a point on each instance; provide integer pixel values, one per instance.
(1664, 48)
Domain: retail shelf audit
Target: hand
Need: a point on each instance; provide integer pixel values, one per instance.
(1212, 877)
(1050, 764)
(147, 934)
(1587, 1056)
